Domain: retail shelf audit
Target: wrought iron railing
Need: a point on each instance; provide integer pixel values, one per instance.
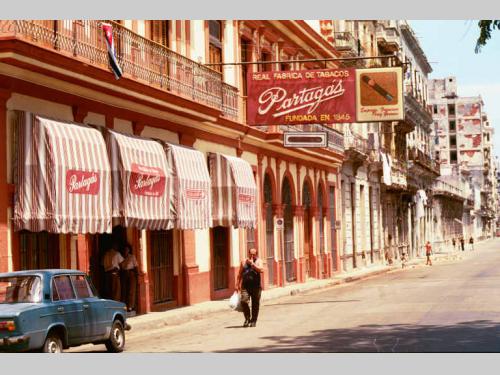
(140, 59)
(345, 41)
(423, 159)
(357, 143)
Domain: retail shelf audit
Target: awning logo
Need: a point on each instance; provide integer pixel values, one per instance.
(82, 182)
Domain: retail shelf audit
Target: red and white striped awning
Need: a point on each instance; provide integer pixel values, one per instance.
(192, 193)
(234, 192)
(63, 177)
(142, 184)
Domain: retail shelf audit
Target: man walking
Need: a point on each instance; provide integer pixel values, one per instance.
(111, 263)
(471, 242)
(462, 243)
(249, 283)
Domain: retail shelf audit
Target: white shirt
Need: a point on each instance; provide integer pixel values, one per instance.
(129, 263)
(112, 260)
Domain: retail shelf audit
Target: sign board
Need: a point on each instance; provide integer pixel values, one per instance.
(379, 94)
(279, 223)
(325, 96)
(305, 139)
(301, 97)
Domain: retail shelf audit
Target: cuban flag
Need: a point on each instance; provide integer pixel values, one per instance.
(113, 62)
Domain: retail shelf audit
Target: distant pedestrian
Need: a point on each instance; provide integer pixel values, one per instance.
(428, 252)
(462, 243)
(471, 242)
(454, 243)
(404, 260)
(249, 283)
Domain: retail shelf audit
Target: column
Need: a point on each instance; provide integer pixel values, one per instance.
(4, 196)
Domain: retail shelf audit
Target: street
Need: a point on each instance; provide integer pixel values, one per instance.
(452, 306)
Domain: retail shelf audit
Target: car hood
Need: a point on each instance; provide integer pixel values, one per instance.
(13, 309)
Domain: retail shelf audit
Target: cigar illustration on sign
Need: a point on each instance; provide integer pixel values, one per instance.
(370, 82)
(378, 88)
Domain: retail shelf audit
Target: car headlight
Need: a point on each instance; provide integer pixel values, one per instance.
(7, 325)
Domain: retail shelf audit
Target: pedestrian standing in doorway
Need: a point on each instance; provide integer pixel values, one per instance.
(471, 242)
(249, 283)
(111, 262)
(462, 243)
(428, 252)
(130, 273)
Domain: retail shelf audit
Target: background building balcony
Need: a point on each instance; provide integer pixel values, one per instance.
(140, 59)
(388, 38)
(357, 148)
(449, 189)
(418, 157)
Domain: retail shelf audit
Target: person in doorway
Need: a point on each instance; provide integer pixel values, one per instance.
(462, 243)
(130, 272)
(471, 242)
(249, 283)
(111, 263)
(428, 252)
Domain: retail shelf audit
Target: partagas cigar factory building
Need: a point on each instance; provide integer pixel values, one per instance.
(159, 155)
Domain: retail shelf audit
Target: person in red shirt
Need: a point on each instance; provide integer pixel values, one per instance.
(428, 252)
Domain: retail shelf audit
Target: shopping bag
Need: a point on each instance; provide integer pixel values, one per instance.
(235, 302)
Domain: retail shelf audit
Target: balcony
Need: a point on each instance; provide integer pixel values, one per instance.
(451, 190)
(344, 42)
(335, 138)
(418, 157)
(357, 148)
(416, 111)
(388, 39)
(140, 59)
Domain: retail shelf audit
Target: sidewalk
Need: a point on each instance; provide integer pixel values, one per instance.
(155, 320)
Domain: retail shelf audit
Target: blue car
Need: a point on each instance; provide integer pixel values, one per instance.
(51, 310)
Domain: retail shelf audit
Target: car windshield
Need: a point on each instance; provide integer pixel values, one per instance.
(20, 289)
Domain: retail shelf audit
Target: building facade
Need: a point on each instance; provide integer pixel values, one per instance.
(57, 72)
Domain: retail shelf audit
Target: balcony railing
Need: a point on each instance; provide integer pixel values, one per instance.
(357, 143)
(423, 159)
(344, 41)
(140, 59)
(441, 187)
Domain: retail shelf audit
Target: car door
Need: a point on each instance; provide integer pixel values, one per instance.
(93, 308)
(68, 307)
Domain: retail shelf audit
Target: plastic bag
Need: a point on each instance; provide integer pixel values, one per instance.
(235, 302)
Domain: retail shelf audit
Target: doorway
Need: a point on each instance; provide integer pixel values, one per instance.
(288, 230)
(220, 257)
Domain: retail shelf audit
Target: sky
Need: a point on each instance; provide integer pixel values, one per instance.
(449, 47)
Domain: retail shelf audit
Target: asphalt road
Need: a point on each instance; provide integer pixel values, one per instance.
(453, 306)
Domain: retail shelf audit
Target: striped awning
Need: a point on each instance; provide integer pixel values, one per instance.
(63, 177)
(234, 192)
(192, 193)
(142, 185)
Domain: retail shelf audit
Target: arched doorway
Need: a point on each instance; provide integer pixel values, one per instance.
(308, 244)
(268, 209)
(286, 200)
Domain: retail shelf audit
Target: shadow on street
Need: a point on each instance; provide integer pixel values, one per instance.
(472, 336)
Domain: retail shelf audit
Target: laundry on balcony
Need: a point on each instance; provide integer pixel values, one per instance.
(386, 168)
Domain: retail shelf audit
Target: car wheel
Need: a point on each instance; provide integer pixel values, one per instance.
(116, 342)
(53, 344)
